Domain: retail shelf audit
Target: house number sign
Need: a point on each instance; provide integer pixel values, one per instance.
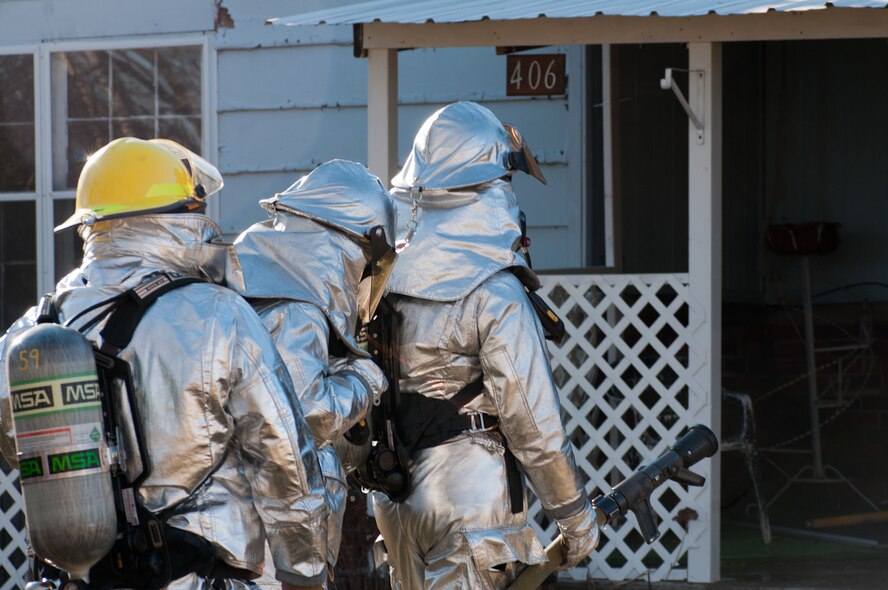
(535, 75)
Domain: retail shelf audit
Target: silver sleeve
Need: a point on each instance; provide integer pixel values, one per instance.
(518, 379)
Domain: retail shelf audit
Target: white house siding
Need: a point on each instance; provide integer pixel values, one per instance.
(290, 98)
(35, 21)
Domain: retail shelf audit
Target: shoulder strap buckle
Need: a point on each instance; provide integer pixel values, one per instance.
(46, 310)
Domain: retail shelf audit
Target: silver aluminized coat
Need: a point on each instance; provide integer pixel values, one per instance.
(302, 270)
(232, 457)
(458, 512)
(465, 314)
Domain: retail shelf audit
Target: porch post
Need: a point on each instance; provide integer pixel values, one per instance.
(382, 113)
(704, 266)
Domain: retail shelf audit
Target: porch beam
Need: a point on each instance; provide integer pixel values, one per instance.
(382, 113)
(826, 23)
(705, 285)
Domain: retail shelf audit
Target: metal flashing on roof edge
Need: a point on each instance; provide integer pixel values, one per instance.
(463, 11)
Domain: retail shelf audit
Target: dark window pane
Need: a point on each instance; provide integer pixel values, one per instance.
(132, 92)
(16, 89)
(67, 245)
(17, 172)
(17, 231)
(84, 138)
(178, 80)
(18, 260)
(182, 130)
(87, 81)
(18, 291)
(141, 128)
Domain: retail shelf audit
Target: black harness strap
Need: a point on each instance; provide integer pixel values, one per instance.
(513, 480)
(128, 312)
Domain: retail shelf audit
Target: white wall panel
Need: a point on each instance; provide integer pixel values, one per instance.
(291, 77)
(551, 248)
(545, 205)
(239, 200)
(29, 21)
(277, 141)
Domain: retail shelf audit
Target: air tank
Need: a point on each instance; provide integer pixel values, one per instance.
(62, 451)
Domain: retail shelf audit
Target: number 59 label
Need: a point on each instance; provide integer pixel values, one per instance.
(535, 75)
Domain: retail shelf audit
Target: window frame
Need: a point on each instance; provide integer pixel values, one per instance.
(44, 196)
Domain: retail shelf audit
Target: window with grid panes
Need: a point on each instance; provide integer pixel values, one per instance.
(18, 173)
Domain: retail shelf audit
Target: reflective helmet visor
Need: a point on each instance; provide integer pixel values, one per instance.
(377, 274)
(521, 158)
(206, 177)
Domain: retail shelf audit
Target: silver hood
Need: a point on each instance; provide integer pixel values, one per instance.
(461, 145)
(460, 239)
(295, 258)
(340, 194)
(186, 243)
(295, 255)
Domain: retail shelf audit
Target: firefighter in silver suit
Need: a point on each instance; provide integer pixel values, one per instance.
(465, 318)
(311, 273)
(232, 459)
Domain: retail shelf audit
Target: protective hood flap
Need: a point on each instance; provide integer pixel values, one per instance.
(457, 247)
(295, 258)
(121, 251)
(340, 194)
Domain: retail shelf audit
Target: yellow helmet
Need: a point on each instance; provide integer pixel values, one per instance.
(132, 176)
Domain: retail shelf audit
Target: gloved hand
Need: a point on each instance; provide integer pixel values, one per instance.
(364, 368)
(579, 535)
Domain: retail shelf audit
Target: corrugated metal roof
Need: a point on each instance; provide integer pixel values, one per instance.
(453, 11)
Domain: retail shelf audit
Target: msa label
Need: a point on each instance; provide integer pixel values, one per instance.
(64, 462)
(79, 392)
(67, 393)
(32, 467)
(74, 461)
(37, 398)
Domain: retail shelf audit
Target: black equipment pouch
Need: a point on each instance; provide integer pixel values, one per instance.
(385, 469)
(141, 557)
(553, 326)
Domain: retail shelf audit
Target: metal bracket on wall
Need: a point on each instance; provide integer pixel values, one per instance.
(695, 76)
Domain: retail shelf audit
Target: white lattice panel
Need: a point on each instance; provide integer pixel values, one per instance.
(13, 543)
(625, 372)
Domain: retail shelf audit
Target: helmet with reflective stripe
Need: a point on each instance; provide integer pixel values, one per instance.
(132, 176)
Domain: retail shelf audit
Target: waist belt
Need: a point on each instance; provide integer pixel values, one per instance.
(424, 422)
(420, 430)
